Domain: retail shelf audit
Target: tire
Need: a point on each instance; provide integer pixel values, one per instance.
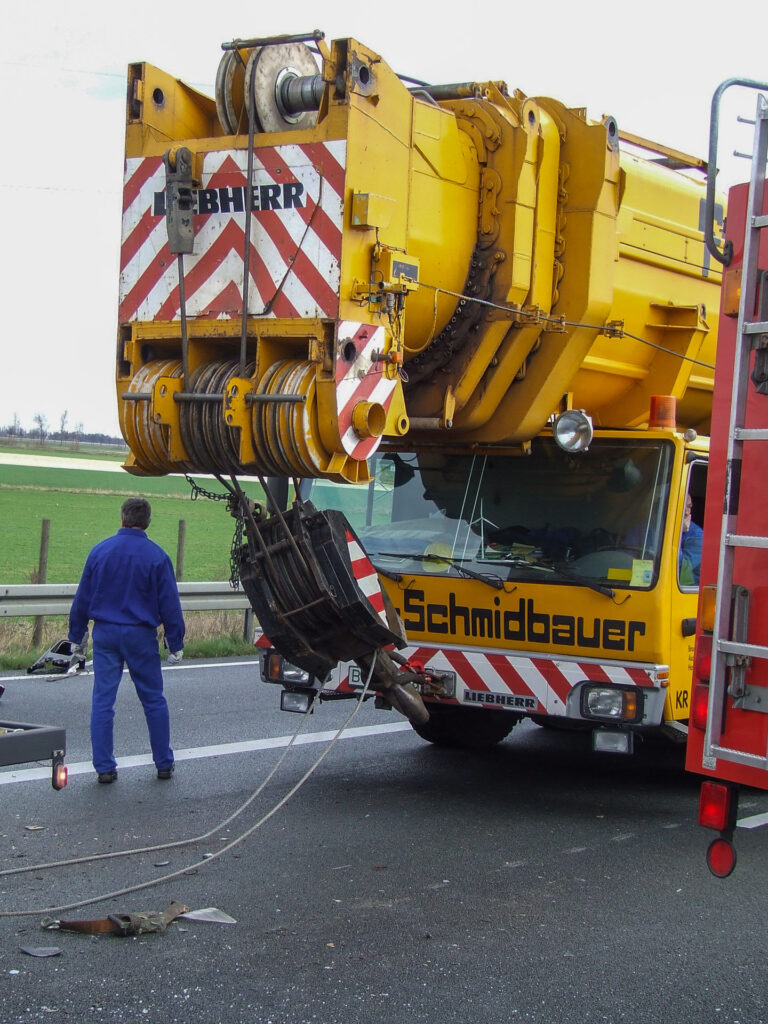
(466, 728)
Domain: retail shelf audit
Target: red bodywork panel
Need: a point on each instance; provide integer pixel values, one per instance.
(743, 730)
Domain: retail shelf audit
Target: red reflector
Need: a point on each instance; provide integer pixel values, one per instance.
(715, 805)
(699, 703)
(721, 858)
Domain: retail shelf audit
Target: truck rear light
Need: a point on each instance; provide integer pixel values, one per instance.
(707, 602)
(702, 661)
(717, 806)
(699, 705)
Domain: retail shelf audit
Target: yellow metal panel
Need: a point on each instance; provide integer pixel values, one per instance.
(371, 211)
(166, 106)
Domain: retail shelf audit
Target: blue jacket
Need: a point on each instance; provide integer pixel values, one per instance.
(128, 580)
(691, 544)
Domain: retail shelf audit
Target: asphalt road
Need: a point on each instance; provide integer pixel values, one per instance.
(401, 882)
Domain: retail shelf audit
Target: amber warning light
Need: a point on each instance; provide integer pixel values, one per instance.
(59, 772)
(663, 414)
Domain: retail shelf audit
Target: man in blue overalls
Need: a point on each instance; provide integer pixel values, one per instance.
(691, 542)
(128, 588)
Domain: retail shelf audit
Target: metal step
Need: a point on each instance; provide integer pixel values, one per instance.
(736, 540)
(750, 434)
(739, 757)
(746, 650)
(756, 327)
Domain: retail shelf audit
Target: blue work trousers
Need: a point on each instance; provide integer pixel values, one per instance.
(136, 647)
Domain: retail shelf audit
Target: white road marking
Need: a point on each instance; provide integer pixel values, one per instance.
(220, 750)
(185, 666)
(754, 821)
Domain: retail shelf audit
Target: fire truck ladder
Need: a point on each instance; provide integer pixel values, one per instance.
(731, 653)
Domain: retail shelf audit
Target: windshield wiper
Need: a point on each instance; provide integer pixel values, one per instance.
(562, 574)
(491, 579)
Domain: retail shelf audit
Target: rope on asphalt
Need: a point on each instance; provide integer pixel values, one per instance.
(186, 842)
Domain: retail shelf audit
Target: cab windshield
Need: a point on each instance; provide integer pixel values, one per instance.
(598, 516)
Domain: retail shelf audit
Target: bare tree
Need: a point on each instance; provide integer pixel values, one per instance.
(42, 426)
(63, 425)
(14, 428)
(76, 436)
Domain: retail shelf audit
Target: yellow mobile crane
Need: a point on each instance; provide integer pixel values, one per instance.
(489, 317)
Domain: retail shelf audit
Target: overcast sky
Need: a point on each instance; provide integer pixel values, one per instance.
(654, 66)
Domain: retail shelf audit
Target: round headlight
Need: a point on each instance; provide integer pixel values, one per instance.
(573, 430)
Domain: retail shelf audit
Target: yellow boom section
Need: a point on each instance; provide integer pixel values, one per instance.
(321, 257)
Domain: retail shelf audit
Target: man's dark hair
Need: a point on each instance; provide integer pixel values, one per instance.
(136, 512)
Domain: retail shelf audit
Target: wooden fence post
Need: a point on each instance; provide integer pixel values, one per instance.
(42, 573)
(180, 550)
(248, 626)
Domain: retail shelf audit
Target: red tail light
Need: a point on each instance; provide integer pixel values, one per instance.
(702, 662)
(699, 704)
(716, 806)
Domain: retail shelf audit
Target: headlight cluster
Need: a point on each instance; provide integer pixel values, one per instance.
(618, 704)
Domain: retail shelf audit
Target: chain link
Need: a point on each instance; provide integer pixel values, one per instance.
(201, 492)
(237, 543)
(238, 513)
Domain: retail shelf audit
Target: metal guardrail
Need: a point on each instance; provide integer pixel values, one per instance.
(56, 598)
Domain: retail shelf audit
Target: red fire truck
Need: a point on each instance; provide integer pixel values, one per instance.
(728, 734)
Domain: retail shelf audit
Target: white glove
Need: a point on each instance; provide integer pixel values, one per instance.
(174, 657)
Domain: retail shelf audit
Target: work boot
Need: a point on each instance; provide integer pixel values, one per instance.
(166, 773)
(108, 777)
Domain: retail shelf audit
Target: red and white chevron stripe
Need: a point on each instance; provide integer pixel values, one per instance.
(359, 379)
(542, 684)
(366, 577)
(295, 249)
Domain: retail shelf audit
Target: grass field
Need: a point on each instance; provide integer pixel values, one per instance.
(83, 507)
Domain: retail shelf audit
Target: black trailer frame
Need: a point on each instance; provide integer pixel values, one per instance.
(21, 742)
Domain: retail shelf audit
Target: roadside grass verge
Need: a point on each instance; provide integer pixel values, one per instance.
(217, 634)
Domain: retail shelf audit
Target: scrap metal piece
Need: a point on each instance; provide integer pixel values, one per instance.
(142, 923)
(63, 657)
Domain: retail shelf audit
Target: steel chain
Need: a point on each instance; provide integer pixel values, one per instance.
(239, 516)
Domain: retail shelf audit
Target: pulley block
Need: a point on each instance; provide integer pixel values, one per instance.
(263, 74)
(315, 592)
